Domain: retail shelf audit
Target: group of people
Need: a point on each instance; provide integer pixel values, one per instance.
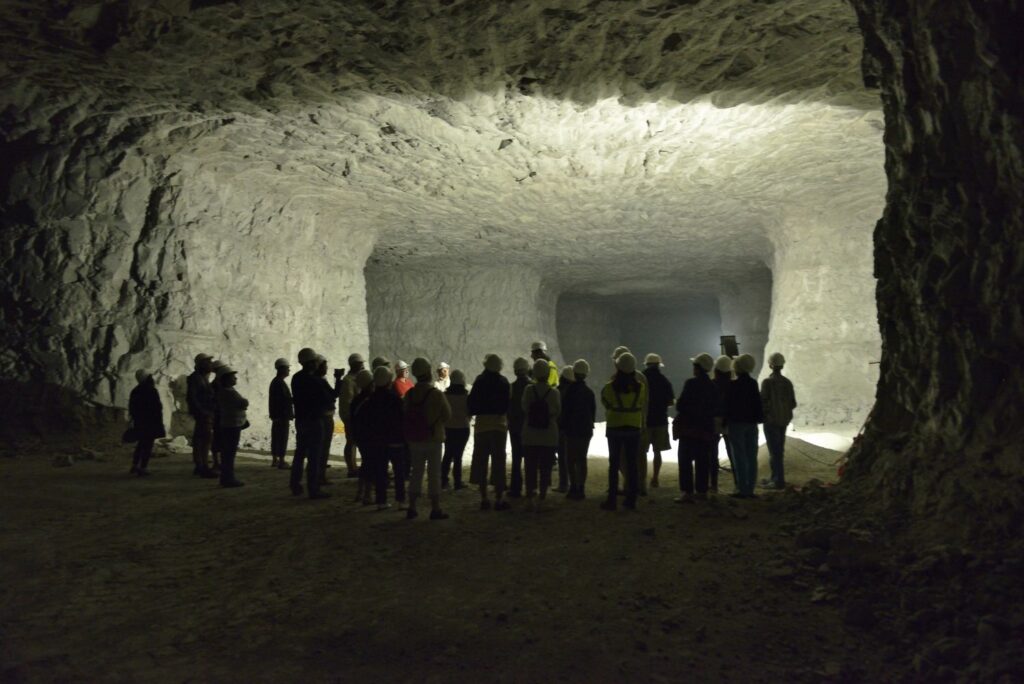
(420, 426)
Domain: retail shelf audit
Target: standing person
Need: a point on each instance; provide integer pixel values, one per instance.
(310, 405)
(538, 351)
(778, 400)
(661, 396)
(723, 381)
(695, 427)
(201, 406)
(403, 383)
(232, 421)
(147, 414)
(425, 413)
(443, 381)
(579, 410)
(216, 445)
(346, 390)
(281, 414)
(542, 406)
(456, 431)
(378, 423)
(565, 380)
(624, 399)
(364, 388)
(516, 420)
(488, 401)
(743, 411)
(642, 379)
(327, 417)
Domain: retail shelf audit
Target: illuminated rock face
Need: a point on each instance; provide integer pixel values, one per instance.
(430, 179)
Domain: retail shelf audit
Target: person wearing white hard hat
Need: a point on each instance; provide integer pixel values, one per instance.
(642, 379)
(443, 381)
(378, 424)
(565, 380)
(743, 412)
(539, 350)
(723, 382)
(779, 400)
(661, 396)
(147, 416)
(695, 428)
(327, 417)
(310, 403)
(201, 406)
(345, 388)
(624, 399)
(233, 420)
(516, 420)
(456, 431)
(488, 402)
(426, 411)
(542, 406)
(216, 443)
(281, 413)
(579, 410)
(365, 473)
(403, 383)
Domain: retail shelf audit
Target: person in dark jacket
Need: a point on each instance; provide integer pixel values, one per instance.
(310, 405)
(378, 423)
(723, 382)
(216, 442)
(565, 380)
(488, 401)
(661, 396)
(743, 412)
(695, 416)
(516, 420)
(365, 472)
(147, 414)
(579, 410)
(327, 418)
(281, 414)
(232, 417)
(201, 406)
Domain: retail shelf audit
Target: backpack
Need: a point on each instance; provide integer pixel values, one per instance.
(415, 426)
(537, 416)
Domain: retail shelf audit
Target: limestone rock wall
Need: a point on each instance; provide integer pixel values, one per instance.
(459, 314)
(946, 431)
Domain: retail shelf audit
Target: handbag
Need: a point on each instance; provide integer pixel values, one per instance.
(130, 435)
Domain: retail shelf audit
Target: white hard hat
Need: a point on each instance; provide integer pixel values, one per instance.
(744, 363)
(538, 346)
(493, 362)
(420, 367)
(723, 364)
(626, 363)
(401, 365)
(776, 360)
(141, 375)
(652, 359)
(581, 368)
(443, 364)
(568, 374)
(704, 361)
(282, 363)
(619, 351)
(306, 355)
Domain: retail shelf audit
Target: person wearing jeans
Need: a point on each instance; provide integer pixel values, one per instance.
(624, 399)
(743, 412)
(778, 400)
(232, 416)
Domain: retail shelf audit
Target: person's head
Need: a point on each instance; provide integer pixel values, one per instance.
(442, 370)
(283, 368)
(581, 369)
(307, 359)
(364, 380)
(458, 378)
(619, 351)
(421, 370)
(204, 363)
(521, 367)
(652, 360)
(379, 361)
(743, 364)
(702, 364)
(723, 367)
(401, 369)
(382, 376)
(216, 367)
(538, 350)
(541, 369)
(626, 364)
(321, 365)
(493, 363)
(227, 376)
(776, 361)
(356, 362)
(143, 377)
(567, 375)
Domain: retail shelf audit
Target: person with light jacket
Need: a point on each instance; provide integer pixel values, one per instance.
(425, 413)
(345, 388)
(232, 416)
(625, 401)
(778, 400)
(541, 406)
(456, 431)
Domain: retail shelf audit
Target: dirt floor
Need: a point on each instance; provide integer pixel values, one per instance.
(108, 577)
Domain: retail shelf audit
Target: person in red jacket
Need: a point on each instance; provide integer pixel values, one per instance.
(403, 383)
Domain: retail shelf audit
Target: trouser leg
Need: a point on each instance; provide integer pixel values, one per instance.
(417, 466)
(516, 440)
(202, 435)
(314, 449)
(532, 464)
(563, 464)
(700, 462)
(229, 449)
(631, 452)
(686, 465)
(775, 436)
(350, 453)
(614, 463)
(546, 462)
(327, 437)
(643, 445)
(713, 464)
(396, 455)
(146, 453)
(299, 457)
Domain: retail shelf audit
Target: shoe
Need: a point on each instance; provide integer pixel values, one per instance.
(561, 490)
(134, 469)
(208, 475)
(608, 506)
(654, 483)
(273, 464)
(765, 481)
(631, 505)
(142, 473)
(459, 485)
(438, 515)
(320, 495)
(283, 466)
(296, 490)
(383, 506)
(502, 506)
(411, 514)
(485, 505)
(232, 484)
(684, 499)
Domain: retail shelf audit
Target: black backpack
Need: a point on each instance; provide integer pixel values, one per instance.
(537, 416)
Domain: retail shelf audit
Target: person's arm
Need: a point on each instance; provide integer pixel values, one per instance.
(591, 407)
(554, 404)
(606, 400)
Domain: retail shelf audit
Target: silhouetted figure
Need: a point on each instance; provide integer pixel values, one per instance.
(579, 410)
(565, 380)
(695, 428)
(661, 396)
(310, 405)
(538, 351)
(456, 431)
(642, 379)
(281, 414)
(364, 388)
(542, 406)
(624, 399)
(425, 412)
(778, 400)
(232, 417)
(743, 411)
(378, 424)
(346, 390)
(488, 402)
(403, 383)
(723, 383)
(216, 445)
(327, 418)
(516, 420)
(147, 414)
(201, 405)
